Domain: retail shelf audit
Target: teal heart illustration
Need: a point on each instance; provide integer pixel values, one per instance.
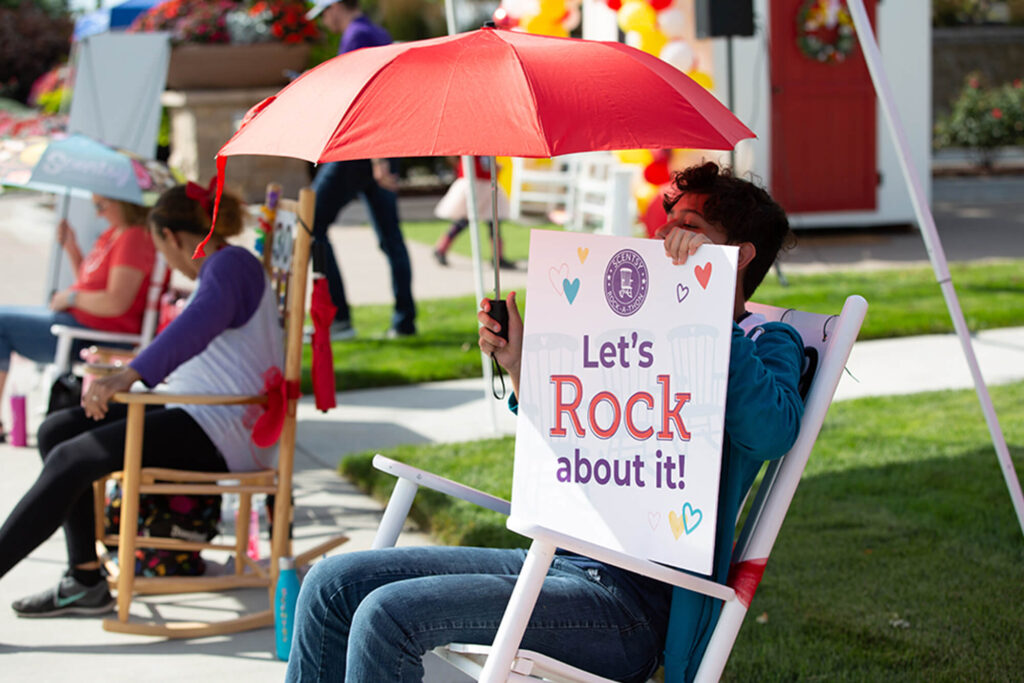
(571, 289)
(691, 517)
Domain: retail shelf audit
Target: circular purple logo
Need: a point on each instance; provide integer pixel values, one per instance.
(625, 282)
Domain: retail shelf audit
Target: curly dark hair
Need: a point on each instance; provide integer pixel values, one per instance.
(177, 212)
(745, 211)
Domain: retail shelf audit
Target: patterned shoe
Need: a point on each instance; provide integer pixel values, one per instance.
(69, 597)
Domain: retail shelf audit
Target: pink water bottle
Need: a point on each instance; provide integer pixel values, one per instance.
(253, 549)
(18, 429)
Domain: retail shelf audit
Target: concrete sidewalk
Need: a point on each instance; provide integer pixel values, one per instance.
(76, 649)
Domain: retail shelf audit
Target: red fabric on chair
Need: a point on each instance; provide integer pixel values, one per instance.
(322, 310)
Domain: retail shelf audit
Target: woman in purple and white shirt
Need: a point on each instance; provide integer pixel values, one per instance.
(223, 342)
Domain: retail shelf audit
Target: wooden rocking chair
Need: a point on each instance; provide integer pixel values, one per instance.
(288, 268)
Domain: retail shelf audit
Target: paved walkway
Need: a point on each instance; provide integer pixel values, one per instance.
(77, 649)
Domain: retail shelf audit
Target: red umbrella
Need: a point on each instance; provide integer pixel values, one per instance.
(485, 93)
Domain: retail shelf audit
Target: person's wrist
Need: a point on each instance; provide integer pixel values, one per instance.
(71, 298)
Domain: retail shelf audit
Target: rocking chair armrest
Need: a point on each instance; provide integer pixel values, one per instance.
(157, 398)
(440, 484)
(628, 562)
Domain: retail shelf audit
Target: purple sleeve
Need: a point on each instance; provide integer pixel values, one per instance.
(231, 285)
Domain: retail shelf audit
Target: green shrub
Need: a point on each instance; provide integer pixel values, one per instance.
(984, 119)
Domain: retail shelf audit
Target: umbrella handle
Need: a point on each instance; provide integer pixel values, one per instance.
(499, 311)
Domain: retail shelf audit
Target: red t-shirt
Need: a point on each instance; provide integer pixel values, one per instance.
(131, 247)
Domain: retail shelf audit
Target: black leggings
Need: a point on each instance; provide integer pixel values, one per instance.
(76, 451)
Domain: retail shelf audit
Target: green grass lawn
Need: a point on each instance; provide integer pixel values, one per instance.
(901, 302)
(900, 559)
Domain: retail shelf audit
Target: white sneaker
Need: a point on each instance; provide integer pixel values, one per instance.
(340, 331)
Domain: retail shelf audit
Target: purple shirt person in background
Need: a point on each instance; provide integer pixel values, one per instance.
(339, 182)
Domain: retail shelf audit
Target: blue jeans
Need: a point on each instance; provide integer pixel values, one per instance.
(25, 330)
(372, 615)
(336, 184)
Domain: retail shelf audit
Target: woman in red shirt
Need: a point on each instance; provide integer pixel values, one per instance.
(109, 292)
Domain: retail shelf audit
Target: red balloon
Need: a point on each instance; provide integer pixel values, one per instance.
(502, 19)
(657, 173)
(659, 5)
(655, 217)
(615, 5)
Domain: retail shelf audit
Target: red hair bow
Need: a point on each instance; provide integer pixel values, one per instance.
(204, 195)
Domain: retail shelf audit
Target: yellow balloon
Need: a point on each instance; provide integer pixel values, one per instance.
(652, 41)
(703, 79)
(635, 156)
(552, 10)
(544, 26)
(644, 195)
(637, 16)
(505, 174)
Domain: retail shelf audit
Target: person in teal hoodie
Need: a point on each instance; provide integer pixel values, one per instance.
(372, 615)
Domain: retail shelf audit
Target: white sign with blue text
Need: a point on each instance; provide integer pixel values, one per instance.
(622, 394)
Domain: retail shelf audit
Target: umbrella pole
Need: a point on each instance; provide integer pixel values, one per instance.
(495, 228)
(58, 248)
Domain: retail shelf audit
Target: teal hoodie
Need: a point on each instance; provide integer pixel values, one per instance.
(763, 409)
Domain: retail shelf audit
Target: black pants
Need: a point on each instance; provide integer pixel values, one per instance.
(76, 451)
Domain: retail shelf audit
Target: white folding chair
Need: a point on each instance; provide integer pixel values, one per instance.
(829, 340)
(67, 334)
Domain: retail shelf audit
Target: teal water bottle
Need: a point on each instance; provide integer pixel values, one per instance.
(285, 596)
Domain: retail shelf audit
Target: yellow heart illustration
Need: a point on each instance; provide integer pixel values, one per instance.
(675, 520)
(582, 252)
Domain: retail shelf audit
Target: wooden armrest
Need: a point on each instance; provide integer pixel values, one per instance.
(156, 398)
(437, 483)
(613, 557)
(166, 474)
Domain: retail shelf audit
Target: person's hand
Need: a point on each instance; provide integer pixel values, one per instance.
(66, 236)
(680, 243)
(383, 175)
(507, 353)
(96, 402)
(59, 300)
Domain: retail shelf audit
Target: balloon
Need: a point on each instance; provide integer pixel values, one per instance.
(703, 79)
(520, 8)
(552, 10)
(644, 194)
(654, 216)
(502, 19)
(658, 5)
(657, 173)
(679, 54)
(571, 20)
(636, 16)
(672, 22)
(652, 42)
(505, 174)
(543, 26)
(634, 156)
(613, 5)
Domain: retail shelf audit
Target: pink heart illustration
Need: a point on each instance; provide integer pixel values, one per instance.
(556, 275)
(654, 518)
(703, 274)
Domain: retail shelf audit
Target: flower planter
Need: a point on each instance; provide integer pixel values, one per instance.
(196, 67)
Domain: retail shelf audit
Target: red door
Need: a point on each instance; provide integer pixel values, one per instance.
(823, 122)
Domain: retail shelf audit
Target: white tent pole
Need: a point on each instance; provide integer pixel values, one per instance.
(926, 224)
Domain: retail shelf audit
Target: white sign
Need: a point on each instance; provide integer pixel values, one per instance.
(622, 394)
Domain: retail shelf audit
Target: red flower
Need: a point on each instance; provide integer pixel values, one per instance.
(997, 113)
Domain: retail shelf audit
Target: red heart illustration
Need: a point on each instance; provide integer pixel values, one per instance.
(703, 274)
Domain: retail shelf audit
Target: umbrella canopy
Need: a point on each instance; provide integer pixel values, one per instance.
(486, 93)
(85, 166)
